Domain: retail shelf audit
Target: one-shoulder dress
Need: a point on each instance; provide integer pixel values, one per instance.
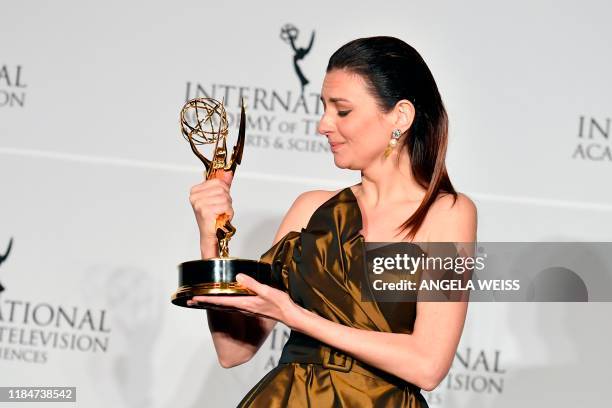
(320, 268)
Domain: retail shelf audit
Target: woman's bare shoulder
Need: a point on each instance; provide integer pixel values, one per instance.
(453, 218)
(309, 199)
(301, 210)
(447, 202)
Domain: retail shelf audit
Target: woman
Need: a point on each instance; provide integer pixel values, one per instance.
(384, 117)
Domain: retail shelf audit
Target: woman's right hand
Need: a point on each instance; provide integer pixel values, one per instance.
(209, 199)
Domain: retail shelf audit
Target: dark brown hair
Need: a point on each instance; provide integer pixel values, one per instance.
(394, 71)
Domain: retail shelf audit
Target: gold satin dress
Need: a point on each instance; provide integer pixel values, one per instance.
(320, 267)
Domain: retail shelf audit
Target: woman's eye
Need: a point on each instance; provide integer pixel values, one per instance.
(343, 113)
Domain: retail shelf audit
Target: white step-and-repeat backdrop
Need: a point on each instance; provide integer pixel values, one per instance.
(95, 178)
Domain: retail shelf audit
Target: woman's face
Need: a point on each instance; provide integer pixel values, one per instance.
(357, 130)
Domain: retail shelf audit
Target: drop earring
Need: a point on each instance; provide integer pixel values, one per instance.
(395, 135)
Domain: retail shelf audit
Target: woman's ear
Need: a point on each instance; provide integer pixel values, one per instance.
(404, 115)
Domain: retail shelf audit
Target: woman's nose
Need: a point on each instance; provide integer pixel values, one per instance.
(325, 126)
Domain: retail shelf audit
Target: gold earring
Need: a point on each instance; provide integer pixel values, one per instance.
(395, 135)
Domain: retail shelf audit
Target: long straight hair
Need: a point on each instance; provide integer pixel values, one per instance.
(393, 70)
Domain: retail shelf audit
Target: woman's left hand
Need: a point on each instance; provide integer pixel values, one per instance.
(268, 301)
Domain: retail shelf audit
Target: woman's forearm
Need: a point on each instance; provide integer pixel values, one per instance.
(236, 336)
(395, 353)
(209, 248)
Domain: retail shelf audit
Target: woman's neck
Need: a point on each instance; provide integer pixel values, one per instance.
(388, 181)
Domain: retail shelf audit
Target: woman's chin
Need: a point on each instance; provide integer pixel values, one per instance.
(343, 163)
(339, 162)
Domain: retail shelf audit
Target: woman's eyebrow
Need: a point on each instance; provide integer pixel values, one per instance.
(334, 100)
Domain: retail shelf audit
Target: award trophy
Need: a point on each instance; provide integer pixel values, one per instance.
(203, 122)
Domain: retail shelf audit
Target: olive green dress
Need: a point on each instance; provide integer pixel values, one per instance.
(321, 269)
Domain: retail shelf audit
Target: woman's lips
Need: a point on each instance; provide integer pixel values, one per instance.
(335, 146)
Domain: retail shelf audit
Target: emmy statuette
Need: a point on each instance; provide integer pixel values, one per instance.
(203, 122)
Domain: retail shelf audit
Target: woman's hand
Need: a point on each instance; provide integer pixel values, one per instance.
(268, 301)
(210, 199)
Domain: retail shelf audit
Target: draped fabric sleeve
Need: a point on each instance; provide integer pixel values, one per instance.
(281, 260)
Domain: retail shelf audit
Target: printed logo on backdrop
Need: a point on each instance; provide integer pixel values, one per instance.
(3, 258)
(278, 338)
(474, 371)
(283, 118)
(289, 34)
(136, 302)
(32, 331)
(12, 86)
(594, 140)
